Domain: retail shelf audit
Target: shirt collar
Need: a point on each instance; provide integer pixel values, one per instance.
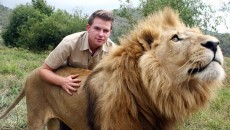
(84, 41)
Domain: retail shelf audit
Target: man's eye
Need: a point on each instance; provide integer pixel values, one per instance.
(105, 31)
(176, 38)
(96, 28)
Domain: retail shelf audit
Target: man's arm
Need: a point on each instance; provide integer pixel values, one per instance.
(69, 83)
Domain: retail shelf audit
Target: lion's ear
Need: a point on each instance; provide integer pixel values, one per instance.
(146, 38)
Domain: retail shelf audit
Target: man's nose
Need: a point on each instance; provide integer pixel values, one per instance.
(101, 33)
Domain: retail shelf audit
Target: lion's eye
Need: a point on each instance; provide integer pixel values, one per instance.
(175, 38)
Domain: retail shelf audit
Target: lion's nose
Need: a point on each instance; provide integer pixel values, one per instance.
(211, 45)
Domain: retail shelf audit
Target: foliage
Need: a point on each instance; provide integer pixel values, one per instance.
(224, 43)
(126, 17)
(190, 11)
(46, 34)
(20, 15)
(224, 39)
(127, 11)
(42, 7)
(4, 16)
(37, 27)
(121, 27)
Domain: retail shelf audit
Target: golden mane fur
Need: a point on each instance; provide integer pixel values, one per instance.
(161, 73)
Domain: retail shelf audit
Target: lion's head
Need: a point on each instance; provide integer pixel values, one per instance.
(181, 67)
(184, 53)
(162, 72)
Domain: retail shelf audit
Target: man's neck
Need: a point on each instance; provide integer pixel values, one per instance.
(93, 49)
(92, 52)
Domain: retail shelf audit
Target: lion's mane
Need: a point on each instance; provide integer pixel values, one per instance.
(133, 89)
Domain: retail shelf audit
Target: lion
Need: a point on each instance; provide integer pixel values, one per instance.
(162, 72)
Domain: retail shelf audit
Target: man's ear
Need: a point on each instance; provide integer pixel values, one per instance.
(87, 27)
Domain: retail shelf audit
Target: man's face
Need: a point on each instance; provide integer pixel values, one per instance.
(99, 32)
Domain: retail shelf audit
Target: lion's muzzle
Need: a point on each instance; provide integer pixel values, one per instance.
(212, 45)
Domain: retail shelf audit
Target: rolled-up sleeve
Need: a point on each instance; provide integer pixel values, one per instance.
(59, 55)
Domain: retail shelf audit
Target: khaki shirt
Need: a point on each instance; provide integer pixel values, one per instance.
(74, 51)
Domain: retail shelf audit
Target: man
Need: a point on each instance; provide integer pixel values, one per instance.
(82, 50)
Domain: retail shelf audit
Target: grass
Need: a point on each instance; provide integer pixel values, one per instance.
(215, 117)
(16, 64)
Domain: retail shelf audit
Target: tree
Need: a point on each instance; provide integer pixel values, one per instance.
(192, 12)
(4, 16)
(126, 17)
(225, 9)
(46, 34)
(20, 15)
(36, 27)
(188, 9)
(42, 6)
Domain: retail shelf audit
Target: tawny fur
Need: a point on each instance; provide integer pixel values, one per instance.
(161, 73)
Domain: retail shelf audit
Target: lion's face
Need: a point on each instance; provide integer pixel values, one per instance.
(189, 54)
(181, 68)
(180, 52)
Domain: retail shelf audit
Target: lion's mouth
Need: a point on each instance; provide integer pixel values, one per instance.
(200, 69)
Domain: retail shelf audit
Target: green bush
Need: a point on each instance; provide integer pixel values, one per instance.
(46, 34)
(20, 15)
(38, 28)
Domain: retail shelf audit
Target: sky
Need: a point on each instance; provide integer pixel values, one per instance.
(89, 6)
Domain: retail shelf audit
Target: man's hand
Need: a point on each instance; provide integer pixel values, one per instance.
(71, 83)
